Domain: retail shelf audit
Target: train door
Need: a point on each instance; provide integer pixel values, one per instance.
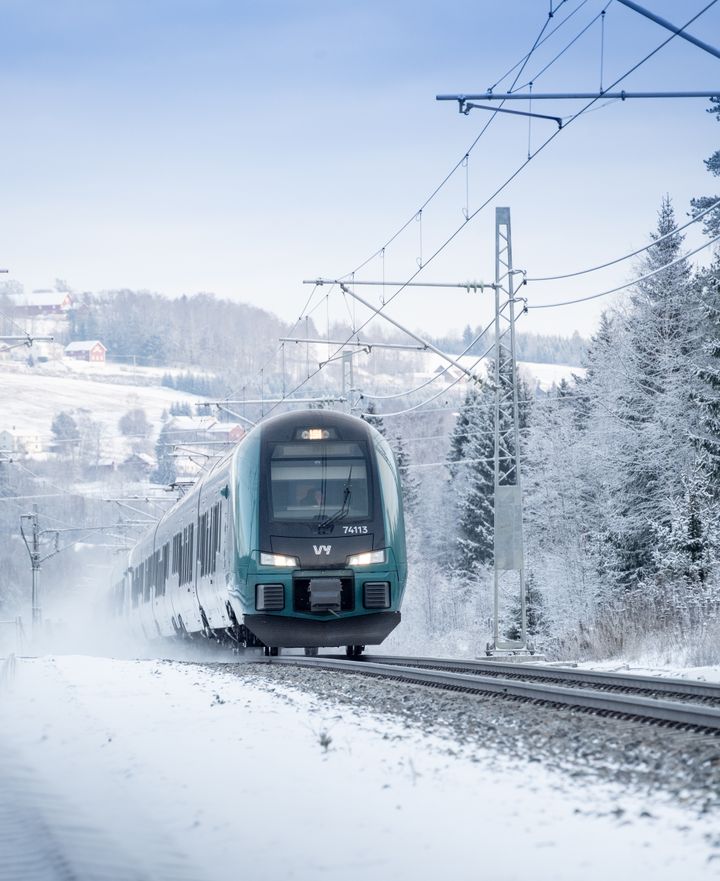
(210, 579)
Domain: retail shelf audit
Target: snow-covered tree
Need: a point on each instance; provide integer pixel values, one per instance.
(372, 417)
(712, 219)
(472, 479)
(408, 479)
(165, 473)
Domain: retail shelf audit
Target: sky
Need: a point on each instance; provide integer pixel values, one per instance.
(242, 147)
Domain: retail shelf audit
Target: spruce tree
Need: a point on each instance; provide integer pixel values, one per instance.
(165, 473)
(372, 417)
(707, 386)
(534, 610)
(472, 479)
(711, 220)
(654, 453)
(409, 482)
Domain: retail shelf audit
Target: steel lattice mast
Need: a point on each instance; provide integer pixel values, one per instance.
(509, 574)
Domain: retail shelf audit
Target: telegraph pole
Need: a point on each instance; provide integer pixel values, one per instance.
(509, 567)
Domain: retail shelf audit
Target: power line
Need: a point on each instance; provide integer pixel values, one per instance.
(464, 158)
(433, 378)
(563, 51)
(461, 163)
(631, 254)
(509, 180)
(628, 284)
(537, 46)
(441, 392)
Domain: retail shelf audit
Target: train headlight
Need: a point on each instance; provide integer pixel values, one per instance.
(278, 560)
(366, 558)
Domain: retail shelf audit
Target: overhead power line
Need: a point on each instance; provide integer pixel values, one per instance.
(503, 186)
(626, 256)
(464, 158)
(629, 283)
(433, 378)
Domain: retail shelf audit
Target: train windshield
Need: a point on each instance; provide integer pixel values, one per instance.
(316, 480)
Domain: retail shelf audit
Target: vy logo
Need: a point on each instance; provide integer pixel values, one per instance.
(322, 549)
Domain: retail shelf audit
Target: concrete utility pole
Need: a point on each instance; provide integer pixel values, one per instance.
(509, 567)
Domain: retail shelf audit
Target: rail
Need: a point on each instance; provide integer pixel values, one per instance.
(641, 707)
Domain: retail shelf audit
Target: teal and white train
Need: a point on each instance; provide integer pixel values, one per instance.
(295, 539)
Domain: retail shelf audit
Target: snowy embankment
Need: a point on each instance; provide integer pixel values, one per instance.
(165, 770)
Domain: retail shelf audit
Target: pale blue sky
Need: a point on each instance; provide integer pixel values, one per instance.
(240, 147)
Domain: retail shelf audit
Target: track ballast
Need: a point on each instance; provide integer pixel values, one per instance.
(694, 705)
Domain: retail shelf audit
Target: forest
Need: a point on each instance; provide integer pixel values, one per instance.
(621, 480)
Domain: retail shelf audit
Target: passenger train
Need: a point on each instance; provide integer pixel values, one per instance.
(296, 538)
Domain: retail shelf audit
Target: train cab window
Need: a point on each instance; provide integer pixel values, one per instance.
(314, 480)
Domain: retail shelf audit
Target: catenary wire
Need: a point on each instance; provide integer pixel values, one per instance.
(434, 377)
(563, 51)
(628, 284)
(442, 391)
(526, 57)
(464, 158)
(652, 244)
(509, 180)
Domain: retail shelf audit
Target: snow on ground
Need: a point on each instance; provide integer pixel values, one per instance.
(189, 771)
(37, 397)
(536, 374)
(709, 673)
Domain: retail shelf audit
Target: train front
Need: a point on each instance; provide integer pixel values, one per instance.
(328, 566)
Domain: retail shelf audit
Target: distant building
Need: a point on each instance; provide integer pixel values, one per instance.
(138, 465)
(190, 429)
(86, 350)
(7, 441)
(100, 469)
(43, 303)
(21, 441)
(226, 432)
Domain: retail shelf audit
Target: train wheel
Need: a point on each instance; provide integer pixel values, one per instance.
(274, 651)
(354, 651)
(311, 651)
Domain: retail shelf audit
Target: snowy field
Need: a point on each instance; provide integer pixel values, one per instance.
(147, 769)
(37, 397)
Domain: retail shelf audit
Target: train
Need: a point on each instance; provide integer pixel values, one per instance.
(294, 539)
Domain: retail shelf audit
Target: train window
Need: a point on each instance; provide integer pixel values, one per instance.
(216, 536)
(203, 543)
(209, 539)
(137, 586)
(164, 567)
(147, 579)
(177, 556)
(186, 556)
(311, 481)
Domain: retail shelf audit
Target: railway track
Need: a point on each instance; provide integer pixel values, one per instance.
(671, 702)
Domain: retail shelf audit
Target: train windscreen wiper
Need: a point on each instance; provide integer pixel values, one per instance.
(344, 510)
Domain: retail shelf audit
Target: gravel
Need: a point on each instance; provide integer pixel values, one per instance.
(655, 761)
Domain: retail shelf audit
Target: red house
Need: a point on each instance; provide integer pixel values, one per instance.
(86, 350)
(43, 303)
